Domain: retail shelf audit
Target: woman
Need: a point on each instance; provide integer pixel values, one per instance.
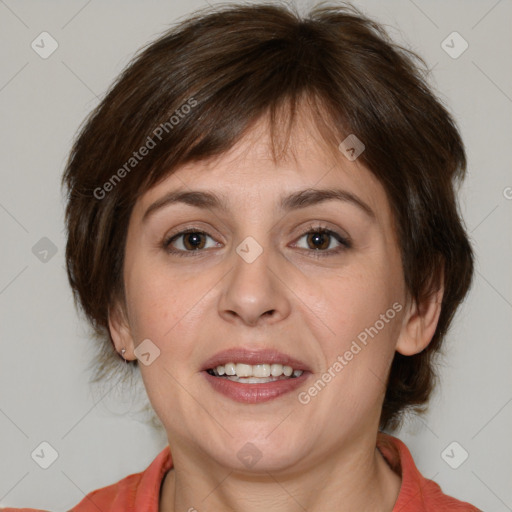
(262, 213)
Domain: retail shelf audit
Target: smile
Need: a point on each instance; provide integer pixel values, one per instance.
(264, 372)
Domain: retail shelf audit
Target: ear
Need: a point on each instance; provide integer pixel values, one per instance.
(419, 324)
(120, 331)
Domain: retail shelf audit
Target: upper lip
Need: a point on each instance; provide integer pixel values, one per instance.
(253, 356)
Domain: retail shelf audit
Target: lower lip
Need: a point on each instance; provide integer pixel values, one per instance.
(255, 393)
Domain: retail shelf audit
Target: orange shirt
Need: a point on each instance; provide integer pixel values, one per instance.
(140, 491)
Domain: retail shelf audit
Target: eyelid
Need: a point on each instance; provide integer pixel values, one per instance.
(327, 227)
(314, 226)
(344, 240)
(194, 227)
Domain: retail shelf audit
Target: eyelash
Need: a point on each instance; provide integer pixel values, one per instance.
(317, 253)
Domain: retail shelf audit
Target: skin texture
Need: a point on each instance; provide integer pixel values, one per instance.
(309, 307)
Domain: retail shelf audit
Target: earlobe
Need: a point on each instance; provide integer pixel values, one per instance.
(419, 324)
(120, 331)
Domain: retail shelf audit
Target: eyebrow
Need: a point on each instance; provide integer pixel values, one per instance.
(295, 201)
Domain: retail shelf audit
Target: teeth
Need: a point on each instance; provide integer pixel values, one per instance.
(254, 380)
(276, 370)
(262, 372)
(229, 369)
(287, 370)
(244, 370)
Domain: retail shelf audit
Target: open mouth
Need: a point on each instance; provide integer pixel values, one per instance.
(254, 374)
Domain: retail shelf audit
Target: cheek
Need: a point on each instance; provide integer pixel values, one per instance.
(355, 300)
(152, 303)
(363, 327)
(169, 309)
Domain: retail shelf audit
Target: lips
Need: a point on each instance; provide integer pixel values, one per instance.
(255, 393)
(241, 355)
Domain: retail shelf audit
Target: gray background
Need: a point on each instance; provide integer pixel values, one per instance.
(44, 390)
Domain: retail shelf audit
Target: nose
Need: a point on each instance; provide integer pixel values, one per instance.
(254, 292)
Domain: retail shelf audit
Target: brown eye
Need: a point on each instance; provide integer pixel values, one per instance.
(193, 241)
(319, 240)
(186, 242)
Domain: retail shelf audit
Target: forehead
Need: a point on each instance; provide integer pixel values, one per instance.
(249, 173)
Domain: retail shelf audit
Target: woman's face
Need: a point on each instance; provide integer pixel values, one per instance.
(261, 280)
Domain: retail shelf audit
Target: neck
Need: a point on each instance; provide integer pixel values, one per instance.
(350, 480)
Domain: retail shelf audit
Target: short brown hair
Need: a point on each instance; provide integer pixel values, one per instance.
(197, 89)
